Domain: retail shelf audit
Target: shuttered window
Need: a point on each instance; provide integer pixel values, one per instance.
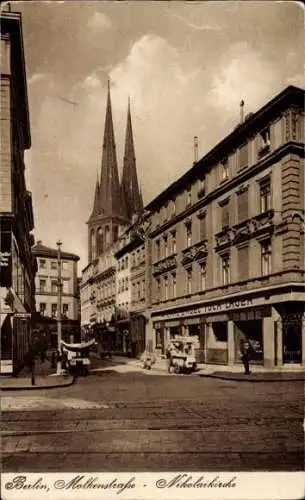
(243, 156)
(242, 205)
(243, 262)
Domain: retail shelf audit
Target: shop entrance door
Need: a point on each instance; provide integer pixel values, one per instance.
(251, 331)
(291, 326)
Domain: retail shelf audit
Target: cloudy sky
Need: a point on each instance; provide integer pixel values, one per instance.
(186, 67)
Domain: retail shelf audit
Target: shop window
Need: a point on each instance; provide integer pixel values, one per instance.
(189, 280)
(42, 308)
(42, 264)
(266, 257)
(188, 231)
(53, 286)
(42, 286)
(54, 311)
(158, 338)
(242, 205)
(225, 265)
(202, 277)
(174, 285)
(220, 331)
(224, 169)
(243, 156)
(265, 195)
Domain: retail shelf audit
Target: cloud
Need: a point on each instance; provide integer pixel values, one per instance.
(37, 77)
(298, 80)
(99, 21)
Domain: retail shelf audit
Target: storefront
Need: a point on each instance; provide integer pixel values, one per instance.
(276, 332)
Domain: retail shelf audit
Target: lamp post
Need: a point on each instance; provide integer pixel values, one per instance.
(59, 291)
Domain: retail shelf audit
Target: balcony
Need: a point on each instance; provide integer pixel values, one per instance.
(165, 264)
(195, 252)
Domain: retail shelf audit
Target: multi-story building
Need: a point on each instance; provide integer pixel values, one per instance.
(17, 265)
(228, 243)
(46, 295)
(115, 206)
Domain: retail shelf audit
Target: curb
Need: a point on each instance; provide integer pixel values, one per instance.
(251, 380)
(37, 387)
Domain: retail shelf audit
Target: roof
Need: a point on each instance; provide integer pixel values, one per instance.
(11, 22)
(40, 250)
(254, 122)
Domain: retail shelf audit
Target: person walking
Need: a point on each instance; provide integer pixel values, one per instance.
(245, 357)
(168, 354)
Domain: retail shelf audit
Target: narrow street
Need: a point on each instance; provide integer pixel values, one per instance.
(130, 421)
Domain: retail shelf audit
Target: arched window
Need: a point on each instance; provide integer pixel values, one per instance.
(99, 241)
(107, 235)
(92, 245)
(115, 232)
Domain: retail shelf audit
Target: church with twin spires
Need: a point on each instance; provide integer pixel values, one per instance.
(116, 204)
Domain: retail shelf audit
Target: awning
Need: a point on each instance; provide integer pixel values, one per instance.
(11, 304)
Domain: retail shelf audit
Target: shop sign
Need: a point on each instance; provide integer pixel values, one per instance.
(212, 308)
(22, 315)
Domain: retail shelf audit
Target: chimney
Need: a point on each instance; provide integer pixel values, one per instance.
(242, 104)
(195, 149)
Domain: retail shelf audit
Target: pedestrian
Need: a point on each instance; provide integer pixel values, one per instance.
(168, 354)
(244, 356)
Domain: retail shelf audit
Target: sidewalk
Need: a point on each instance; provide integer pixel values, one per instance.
(225, 372)
(45, 378)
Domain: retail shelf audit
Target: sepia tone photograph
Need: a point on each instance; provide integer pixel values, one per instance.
(152, 249)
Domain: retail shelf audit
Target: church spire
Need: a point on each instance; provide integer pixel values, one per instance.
(96, 203)
(130, 185)
(111, 201)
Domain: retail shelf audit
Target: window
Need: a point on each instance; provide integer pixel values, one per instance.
(225, 218)
(107, 235)
(173, 204)
(189, 281)
(132, 260)
(243, 156)
(65, 286)
(201, 190)
(188, 229)
(100, 241)
(138, 289)
(126, 283)
(64, 265)
(225, 169)
(133, 290)
(165, 280)
(53, 286)
(115, 233)
(126, 262)
(265, 195)
(202, 227)
(65, 310)
(165, 212)
(158, 289)
(42, 264)
(174, 285)
(53, 310)
(242, 205)
(225, 263)
(143, 289)
(243, 262)
(265, 141)
(119, 265)
(266, 257)
(42, 285)
(54, 264)
(165, 246)
(173, 241)
(188, 197)
(158, 250)
(202, 277)
(42, 308)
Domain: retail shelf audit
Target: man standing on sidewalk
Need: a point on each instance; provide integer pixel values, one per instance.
(245, 355)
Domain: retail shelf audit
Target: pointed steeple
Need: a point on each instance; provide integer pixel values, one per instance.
(110, 198)
(130, 185)
(96, 203)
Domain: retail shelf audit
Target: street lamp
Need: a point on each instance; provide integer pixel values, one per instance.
(59, 325)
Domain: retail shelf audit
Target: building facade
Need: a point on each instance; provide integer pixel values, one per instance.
(17, 265)
(228, 243)
(115, 205)
(46, 294)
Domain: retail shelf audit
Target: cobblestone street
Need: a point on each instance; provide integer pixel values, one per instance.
(130, 421)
